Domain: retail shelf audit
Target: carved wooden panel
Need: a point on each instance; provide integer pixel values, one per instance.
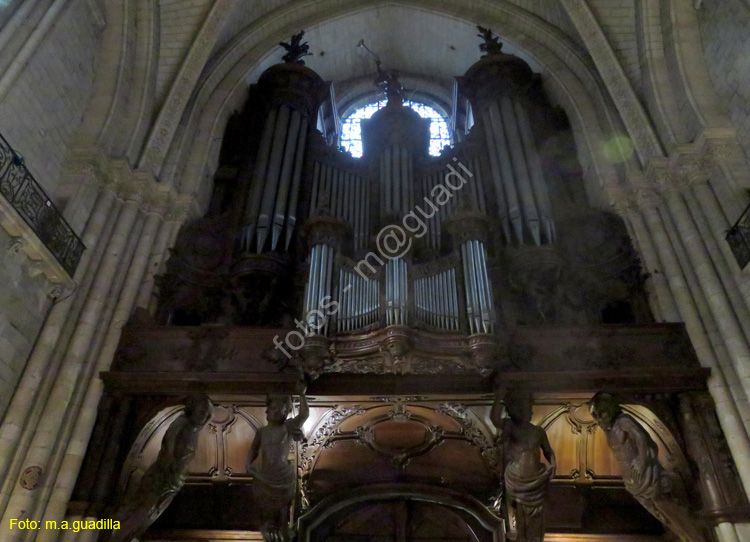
(222, 449)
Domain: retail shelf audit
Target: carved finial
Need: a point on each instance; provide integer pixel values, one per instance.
(388, 82)
(491, 45)
(295, 49)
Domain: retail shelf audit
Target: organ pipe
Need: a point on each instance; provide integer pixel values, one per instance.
(271, 208)
(297, 178)
(359, 300)
(257, 182)
(346, 194)
(396, 285)
(319, 286)
(535, 169)
(517, 175)
(479, 305)
(436, 300)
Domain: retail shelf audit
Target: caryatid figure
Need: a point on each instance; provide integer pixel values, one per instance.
(658, 490)
(166, 476)
(274, 477)
(526, 477)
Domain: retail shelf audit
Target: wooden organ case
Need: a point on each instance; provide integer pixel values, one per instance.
(510, 274)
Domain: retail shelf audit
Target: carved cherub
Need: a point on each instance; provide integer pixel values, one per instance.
(492, 44)
(295, 49)
(526, 477)
(638, 456)
(166, 476)
(274, 479)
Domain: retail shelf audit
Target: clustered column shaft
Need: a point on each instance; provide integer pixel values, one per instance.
(53, 411)
(674, 244)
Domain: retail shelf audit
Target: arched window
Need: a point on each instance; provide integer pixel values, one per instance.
(351, 132)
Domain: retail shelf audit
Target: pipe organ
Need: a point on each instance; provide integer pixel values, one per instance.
(486, 202)
(498, 268)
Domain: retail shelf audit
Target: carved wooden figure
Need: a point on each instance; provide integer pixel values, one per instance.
(274, 479)
(657, 489)
(166, 476)
(526, 477)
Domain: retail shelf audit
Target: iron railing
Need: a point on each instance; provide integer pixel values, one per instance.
(738, 238)
(29, 200)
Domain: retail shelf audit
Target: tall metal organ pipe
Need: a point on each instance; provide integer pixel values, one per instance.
(271, 209)
(396, 292)
(318, 291)
(480, 309)
(517, 176)
(396, 180)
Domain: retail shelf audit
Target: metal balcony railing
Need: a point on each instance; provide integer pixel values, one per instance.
(738, 238)
(29, 200)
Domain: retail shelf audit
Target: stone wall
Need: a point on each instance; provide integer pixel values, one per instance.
(23, 306)
(725, 33)
(44, 106)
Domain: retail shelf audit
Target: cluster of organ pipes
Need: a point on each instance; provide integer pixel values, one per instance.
(396, 179)
(523, 200)
(275, 186)
(359, 302)
(346, 195)
(318, 290)
(480, 309)
(396, 292)
(436, 300)
(474, 190)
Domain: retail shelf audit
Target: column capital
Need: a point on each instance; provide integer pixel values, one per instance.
(181, 208)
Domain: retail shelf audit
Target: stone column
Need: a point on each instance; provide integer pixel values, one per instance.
(719, 224)
(31, 385)
(86, 415)
(158, 256)
(712, 248)
(100, 493)
(86, 373)
(737, 437)
(709, 324)
(721, 353)
(726, 320)
(22, 500)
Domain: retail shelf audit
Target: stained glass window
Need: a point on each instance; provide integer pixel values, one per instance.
(351, 133)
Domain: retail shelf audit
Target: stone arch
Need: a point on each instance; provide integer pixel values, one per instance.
(656, 89)
(117, 112)
(571, 81)
(685, 62)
